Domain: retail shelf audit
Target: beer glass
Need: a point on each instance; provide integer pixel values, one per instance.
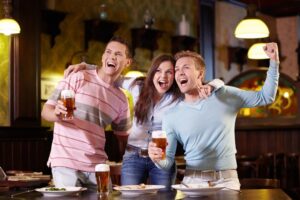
(68, 98)
(103, 179)
(160, 139)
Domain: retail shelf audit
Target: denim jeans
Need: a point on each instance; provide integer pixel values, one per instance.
(136, 170)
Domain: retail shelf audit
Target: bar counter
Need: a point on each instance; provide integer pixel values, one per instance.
(246, 194)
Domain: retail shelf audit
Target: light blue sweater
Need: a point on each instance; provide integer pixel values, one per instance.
(206, 128)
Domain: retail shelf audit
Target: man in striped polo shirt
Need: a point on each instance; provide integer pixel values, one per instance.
(78, 144)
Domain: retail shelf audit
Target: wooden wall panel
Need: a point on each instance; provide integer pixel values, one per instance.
(25, 148)
(254, 142)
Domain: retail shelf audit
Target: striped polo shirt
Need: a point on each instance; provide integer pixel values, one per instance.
(79, 143)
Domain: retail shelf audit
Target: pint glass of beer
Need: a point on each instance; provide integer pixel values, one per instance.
(160, 139)
(103, 179)
(68, 98)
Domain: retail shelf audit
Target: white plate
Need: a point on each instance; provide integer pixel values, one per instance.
(135, 190)
(68, 191)
(195, 190)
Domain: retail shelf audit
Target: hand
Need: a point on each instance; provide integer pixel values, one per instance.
(154, 152)
(203, 90)
(271, 49)
(74, 68)
(60, 108)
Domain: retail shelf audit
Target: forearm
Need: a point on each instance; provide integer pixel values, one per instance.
(49, 114)
(271, 83)
(165, 164)
(90, 66)
(216, 84)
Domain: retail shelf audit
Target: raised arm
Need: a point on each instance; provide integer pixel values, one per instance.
(246, 98)
(77, 67)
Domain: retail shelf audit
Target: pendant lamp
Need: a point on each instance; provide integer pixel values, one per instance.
(256, 51)
(251, 27)
(8, 25)
(134, 74)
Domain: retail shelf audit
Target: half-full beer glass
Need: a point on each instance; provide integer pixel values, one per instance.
(160, 139)
(103, 179)
(68, 98)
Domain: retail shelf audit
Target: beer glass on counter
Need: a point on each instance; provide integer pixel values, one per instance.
(68, 98)
(160, 139)
(103, 179)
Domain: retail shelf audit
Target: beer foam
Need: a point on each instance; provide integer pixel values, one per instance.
(102, 168)
(67, 93)
(159, 134)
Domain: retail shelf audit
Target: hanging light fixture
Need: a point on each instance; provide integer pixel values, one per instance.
(8, 25)
(134, 74)
(256, 51)
(251, 27)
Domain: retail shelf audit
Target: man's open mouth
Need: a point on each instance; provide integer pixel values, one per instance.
(183, 81)
(111, 65)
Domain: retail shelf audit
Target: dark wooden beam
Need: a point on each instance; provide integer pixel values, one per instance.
(25, 65)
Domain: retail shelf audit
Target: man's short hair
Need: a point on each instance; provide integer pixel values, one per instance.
(199, 61)
(124, 42)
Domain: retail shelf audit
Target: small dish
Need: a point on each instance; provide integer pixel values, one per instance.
(196, 190)
(68, 191)
(136, 190)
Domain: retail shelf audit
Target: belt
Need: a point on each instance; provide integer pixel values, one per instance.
(141, 151)
(211, 174)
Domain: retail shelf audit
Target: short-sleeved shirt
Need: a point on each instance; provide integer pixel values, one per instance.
(79, 143)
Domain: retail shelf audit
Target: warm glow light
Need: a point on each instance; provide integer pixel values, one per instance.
(286, 95)
(257, 52)
(251, 28)
(134, 74)
(9, 26)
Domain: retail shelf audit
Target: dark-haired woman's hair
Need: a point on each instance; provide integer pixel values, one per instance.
(148, 91)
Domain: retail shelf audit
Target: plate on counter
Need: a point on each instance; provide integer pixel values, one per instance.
(135, 190)
(196, 190)
(59, 192)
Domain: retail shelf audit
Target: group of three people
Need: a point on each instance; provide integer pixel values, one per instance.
(173, 98)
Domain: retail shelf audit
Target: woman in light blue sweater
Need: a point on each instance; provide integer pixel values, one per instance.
(205, 127)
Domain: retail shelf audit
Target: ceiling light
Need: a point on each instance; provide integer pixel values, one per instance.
(251, 27)
(8, 25)
(256, 52)
(134, 74)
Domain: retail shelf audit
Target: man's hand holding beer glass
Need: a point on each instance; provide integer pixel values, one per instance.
(157, 147)
(66, 105)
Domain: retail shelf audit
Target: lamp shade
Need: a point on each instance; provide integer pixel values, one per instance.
(9, 26)
(250, 28)
(134, 74)
(257, 52)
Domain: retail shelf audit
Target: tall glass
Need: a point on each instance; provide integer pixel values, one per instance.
(102, 177)
(160, 139)
(68, 98)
